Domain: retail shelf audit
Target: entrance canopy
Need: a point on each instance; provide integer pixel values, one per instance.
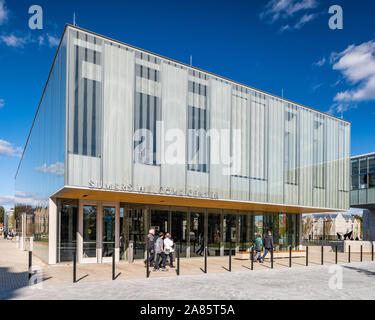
(146, 198)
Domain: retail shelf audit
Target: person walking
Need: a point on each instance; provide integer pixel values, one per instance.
(160, 254)
(268, 244)
(150, 247)
(169, 249)
(258, 246)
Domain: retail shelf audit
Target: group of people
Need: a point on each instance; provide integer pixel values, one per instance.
(160, 250)
(8, 234)
(258, 247)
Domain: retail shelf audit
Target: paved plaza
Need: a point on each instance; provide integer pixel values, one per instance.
(348, 281)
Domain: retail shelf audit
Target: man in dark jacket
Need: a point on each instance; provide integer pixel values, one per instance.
(150, 247)
(268, 244)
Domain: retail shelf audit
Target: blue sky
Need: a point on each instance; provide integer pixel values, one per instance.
(272, 45)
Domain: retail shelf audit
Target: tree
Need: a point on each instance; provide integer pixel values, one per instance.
(360, 218)
(2, 212)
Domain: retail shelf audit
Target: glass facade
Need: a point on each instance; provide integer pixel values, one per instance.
(108, 120)
(363, 180)
(285, 153)
(42, 167)
(191, 229)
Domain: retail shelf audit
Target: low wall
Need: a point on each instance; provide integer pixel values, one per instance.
(355, 246)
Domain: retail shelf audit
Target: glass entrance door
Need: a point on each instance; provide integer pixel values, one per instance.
(89, 233)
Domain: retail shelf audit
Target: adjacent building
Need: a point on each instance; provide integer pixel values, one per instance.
(125, 140)
(362, 194)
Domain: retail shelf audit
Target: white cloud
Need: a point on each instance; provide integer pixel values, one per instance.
(3, 12)
(7, 149)
(357, 66)
(13, 41)
(321, 62)
(55, 168)
(2, 103)
(7, 201)
(53, 41)
(283, 9)
(305, 19)
(30, 199)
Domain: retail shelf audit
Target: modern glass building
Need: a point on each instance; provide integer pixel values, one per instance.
(362, 194)
(125, 140)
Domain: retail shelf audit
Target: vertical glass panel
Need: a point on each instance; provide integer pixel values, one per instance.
(355, 175)
(137, 232)
(67, 230)
(179, 231)
(258, 226)
(283, 240)
(230, 233)
(245, 231)
(159, 221)
(371, 172)
(109, 215)
(214, 234)
(290, 145)
(363, 173)
(123, 232)
(89, 231)
(196, 234)
(291, 230)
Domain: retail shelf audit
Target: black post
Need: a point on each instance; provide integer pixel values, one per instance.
(205, 259)
(230, 256)
(113, 264)
(336, 255)
(372, 252)
(178, 260)
(290, 257)
(272, 258)
(361, 253)
(147, 263)
(30, 263)
(322, 262)
(307, 256)
(349, 255)
(252, 257)
(74, 266)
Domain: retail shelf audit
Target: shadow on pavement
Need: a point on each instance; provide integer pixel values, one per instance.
(363, 271)
(10, 282)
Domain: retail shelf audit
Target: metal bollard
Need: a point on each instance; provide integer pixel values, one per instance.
(252, 258)
(230, 256)
(372, 252)
(205, 259)
(361, 253)
(272, 258)
(178, 260)
(290, 257)
(336, 255)
(30, 263)
(75, 266)
(349, 255)
(307, 256)
(322, 256)
(148, 263)
(113, 265)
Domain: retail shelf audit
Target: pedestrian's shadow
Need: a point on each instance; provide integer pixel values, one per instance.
(11, 281)
(363, 271)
